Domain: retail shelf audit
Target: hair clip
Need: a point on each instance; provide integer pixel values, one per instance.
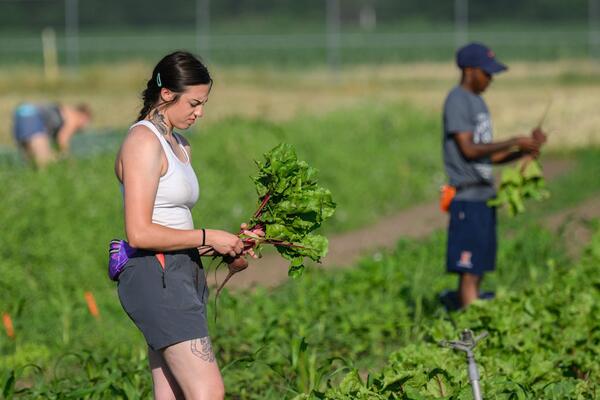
(158, 81)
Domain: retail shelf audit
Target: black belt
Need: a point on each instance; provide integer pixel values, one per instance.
(469, 185)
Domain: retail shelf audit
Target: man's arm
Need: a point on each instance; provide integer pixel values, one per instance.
(507, 156)
(472, 151)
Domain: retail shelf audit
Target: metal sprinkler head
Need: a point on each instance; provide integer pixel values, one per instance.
(466, 343)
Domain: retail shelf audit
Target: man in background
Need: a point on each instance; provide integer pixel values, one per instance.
(469, 152)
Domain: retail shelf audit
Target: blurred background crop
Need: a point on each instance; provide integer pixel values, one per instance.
(276, 59)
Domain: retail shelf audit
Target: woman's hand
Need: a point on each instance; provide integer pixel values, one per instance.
(252, 239)
(224, 243)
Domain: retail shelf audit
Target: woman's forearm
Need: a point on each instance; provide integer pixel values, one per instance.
(161, 238)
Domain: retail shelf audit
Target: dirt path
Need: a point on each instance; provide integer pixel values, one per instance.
(573, 224)
(347, 248)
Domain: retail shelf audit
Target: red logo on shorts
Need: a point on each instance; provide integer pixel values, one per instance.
(465, 260)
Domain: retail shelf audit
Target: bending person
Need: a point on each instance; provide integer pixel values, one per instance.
(163, 287)
(42, 130)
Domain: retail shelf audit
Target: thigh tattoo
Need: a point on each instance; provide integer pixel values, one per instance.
(202, 349)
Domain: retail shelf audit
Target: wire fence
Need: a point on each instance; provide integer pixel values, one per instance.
(70, 32)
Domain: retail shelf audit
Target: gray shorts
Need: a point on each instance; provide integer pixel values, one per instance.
(168, 306)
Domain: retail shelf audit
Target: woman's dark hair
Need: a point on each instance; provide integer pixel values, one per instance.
(174, 72)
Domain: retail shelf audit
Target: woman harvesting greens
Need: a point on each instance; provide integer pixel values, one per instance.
(162, 286)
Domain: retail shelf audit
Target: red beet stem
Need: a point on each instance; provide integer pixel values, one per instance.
(262, 205)
(232, 271)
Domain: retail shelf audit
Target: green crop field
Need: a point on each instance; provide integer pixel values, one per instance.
(320, 334)
(365, 332)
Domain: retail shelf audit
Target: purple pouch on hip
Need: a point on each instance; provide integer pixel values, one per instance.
(119, 253)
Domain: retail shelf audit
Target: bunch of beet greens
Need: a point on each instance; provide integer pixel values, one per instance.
(291, 206)
(519, 183)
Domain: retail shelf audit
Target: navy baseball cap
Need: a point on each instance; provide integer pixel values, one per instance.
(478, 55)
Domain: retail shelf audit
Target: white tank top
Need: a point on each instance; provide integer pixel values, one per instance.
(178, 189)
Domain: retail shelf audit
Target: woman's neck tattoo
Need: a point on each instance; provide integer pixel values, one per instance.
(158, 119)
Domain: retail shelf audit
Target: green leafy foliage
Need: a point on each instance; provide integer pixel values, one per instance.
(303, 338)
(519, 183)
(544, 344)
(292, 206)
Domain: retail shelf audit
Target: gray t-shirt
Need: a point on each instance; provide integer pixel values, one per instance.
(465, 111)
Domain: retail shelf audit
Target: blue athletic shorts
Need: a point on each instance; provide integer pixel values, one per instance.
(471, 238)
(27, 123)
